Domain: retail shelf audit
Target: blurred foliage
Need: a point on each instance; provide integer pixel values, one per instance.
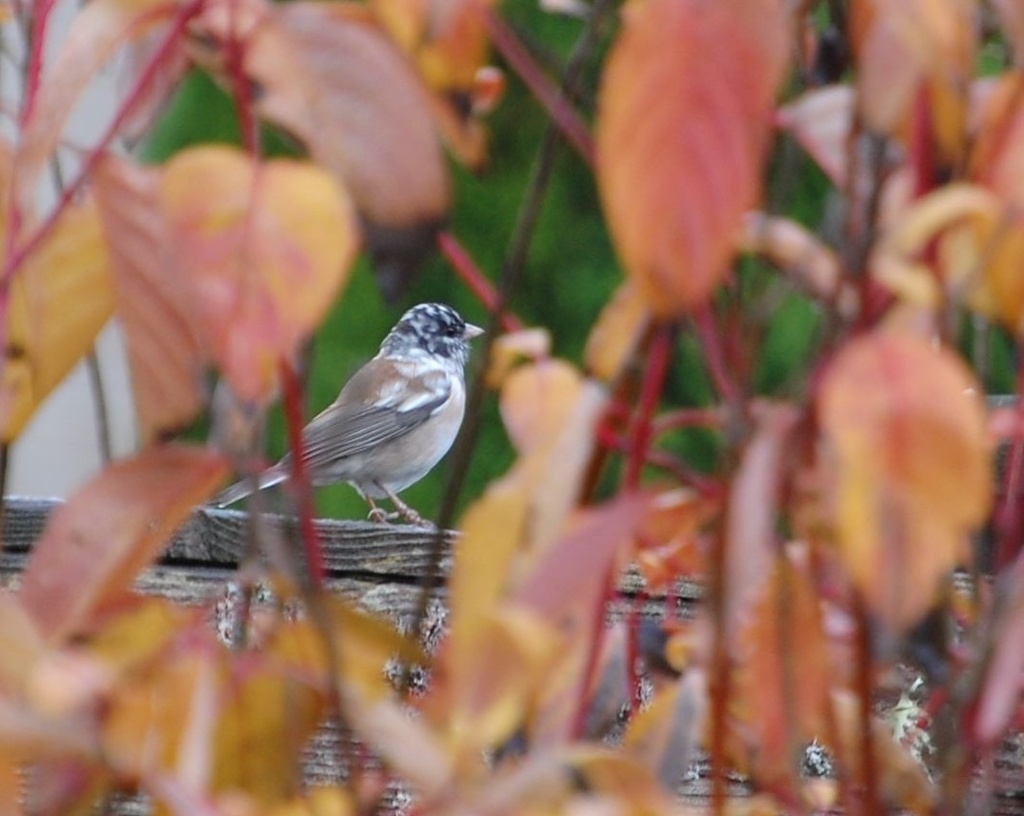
(570, 272)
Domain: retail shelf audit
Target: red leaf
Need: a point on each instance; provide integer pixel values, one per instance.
(157, 314)
(685, 116)
(752, 513)
(93, 546)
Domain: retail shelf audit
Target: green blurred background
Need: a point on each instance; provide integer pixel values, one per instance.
(570, 272)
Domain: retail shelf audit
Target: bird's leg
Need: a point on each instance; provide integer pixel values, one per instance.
(378, 515)
(404, 510)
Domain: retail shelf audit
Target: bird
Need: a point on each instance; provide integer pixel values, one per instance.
(393, 420)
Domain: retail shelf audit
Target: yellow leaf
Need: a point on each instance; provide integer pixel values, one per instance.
(618, 331)
(59, 301)
(512, 348)
(906, 437)
(265, 245)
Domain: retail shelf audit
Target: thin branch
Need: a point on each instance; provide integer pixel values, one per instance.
(460, 259)
(299, 481)
(19, 255)
(42, 9)
(714, 356)
(554, 100)
(650, 394)
(241, 92)
(869, 765)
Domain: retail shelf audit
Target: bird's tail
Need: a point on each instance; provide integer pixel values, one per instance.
(239, 490)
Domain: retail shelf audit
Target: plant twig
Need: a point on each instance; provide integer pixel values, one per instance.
(554, 100)
(460, 259)
(41, 12)
(714, 356)
(650, 394)
(299, 480)
(869, 767)
(17, 255)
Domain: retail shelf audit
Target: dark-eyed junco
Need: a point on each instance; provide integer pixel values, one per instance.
(394, 419)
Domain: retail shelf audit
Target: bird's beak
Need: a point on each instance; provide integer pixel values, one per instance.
(471, 332)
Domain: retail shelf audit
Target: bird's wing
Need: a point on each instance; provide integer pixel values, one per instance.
(349, 427)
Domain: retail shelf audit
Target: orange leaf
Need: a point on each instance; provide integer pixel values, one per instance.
(59, 301)
(567, 582)
(908, 47)
(905, 431)
(93, 546)
(752, 512)
(782, 684)
(154, 305)
(333, 79)
(448, 42)
(685, 116)
(265, 247)
(20, 644)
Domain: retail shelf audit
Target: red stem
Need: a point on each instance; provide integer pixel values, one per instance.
(659, 355)
(300, 477)
(40, 22)
(714, 355)
(863, 683)
(596, 640)
(1007, 520)
(18, 256)
(687, 418)
(477, 282)
(572, 127)
(241, 93)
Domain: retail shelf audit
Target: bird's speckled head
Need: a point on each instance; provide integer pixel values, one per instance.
(431, 328)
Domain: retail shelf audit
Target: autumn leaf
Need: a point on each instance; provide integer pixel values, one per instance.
(905, 48)
(333, 79)
(265, 247)
(684, 120)
(448, 43)
(821, 120)
(97, 30)
(752, 511)
(59, 300)
(780, 700)
(665, 736)
(157, 312)
(905, 434)
(93, 546)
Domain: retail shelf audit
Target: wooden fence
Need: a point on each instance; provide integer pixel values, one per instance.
(383, 569)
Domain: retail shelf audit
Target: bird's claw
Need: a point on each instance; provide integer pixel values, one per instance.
(378, 515)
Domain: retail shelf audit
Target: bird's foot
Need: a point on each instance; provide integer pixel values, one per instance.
(414, 518)
(378, 515)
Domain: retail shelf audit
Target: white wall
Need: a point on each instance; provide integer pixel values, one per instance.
(60, 448)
